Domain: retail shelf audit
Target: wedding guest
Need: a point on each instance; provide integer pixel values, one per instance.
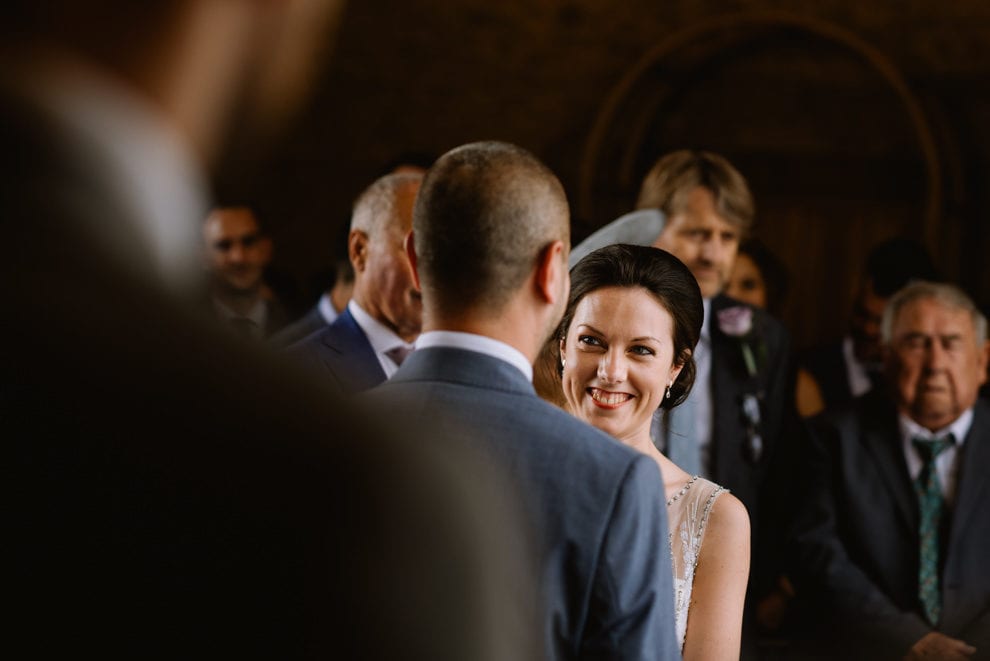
(625, 344)
(237, 252)
(491, 238)
(735, 424)
(851, 366)
(331, 303)
(760, 279)
(894, 539)
(372, 336)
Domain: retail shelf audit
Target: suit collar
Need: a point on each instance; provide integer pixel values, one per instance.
(974, 470)
(883, 444)
(351, 354)
(463, 367)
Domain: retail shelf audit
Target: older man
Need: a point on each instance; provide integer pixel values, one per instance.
(491, 231)
(369, 340)
(895, 539)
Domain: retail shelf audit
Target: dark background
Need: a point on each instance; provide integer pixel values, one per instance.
(852, 120)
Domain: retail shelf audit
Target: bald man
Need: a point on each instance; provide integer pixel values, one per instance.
(372, 336)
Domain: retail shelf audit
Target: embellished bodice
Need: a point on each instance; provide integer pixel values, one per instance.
(687, 514)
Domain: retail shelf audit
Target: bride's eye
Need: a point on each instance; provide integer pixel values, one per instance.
(640, 350)
(589, 340)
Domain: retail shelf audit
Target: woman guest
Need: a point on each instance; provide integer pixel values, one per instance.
(625, 342)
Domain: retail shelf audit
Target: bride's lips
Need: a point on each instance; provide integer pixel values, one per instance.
(606, 399)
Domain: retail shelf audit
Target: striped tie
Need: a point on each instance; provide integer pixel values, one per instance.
(931, 507)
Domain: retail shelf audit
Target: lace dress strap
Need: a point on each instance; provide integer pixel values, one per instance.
(688, 511)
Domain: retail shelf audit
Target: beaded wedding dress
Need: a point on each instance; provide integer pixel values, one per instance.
(687, 514)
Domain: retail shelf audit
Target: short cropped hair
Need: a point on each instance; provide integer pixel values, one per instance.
(946, 294)
(666, 278)
(483, 216)
(375, 208)
(670, 181)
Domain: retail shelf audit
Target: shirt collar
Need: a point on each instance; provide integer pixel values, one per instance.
(706, 333)
(380, 336)
(480, 344)
(959, 429)
(326, 309)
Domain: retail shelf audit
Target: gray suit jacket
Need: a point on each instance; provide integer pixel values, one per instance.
(597, 506)
(858, 537)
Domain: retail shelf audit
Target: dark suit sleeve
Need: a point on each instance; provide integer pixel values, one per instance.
(828, 577)
(631, 613)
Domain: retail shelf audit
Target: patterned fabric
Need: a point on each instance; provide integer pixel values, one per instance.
(931, 507)
(688, 514)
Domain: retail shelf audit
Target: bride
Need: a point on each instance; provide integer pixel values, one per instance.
(632, 319)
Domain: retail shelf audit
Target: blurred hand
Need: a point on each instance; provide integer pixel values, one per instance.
(935, 645)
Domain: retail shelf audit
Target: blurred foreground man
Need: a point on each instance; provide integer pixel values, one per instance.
(895, 538)
(491, 231)
(159, 507)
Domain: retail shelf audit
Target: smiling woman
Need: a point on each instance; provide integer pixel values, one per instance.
(632, 320)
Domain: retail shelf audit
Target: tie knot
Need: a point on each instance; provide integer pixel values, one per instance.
(398, 354)
(929, 448)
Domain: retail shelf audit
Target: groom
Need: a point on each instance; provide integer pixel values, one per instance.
(489, 250)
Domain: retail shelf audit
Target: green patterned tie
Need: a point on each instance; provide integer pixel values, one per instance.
(931, 507)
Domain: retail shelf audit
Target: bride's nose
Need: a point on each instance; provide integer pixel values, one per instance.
(612, 367)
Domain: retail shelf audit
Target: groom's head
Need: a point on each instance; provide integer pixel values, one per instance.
(488, 216)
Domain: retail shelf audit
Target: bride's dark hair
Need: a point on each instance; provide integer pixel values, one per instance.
(667, 280)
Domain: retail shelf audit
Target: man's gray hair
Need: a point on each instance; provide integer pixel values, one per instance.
(948, 295)
(375, 208)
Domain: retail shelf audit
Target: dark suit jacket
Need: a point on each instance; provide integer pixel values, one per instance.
(341, 354)
(306, 325)
(758, 484)
(597, 505)
(857, 540)
(158, 503)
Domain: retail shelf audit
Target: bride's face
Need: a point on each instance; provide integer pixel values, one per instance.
(619, 359)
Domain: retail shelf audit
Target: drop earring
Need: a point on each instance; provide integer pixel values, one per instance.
(563, 362)
(666, 394)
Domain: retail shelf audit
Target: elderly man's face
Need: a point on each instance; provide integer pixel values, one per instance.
(387, 280)
(237, 253)
(934, 362)
(705, 241)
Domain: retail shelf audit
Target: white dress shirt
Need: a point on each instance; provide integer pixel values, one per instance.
(701, 393)
(859, 378)
(381, 337)
(326, 309)
(947, 461)
(479, 344)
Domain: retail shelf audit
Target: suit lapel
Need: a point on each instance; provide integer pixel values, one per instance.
(883, 446)
(728, 383)
(974, 471)
(347, 353)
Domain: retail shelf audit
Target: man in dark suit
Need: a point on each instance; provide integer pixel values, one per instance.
(371, 337)
(894, 540)
(236, 252)
(491, 237)
(158, 505)
(332, 302)
(731, 428)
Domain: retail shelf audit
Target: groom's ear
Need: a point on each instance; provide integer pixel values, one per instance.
(551, 271)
